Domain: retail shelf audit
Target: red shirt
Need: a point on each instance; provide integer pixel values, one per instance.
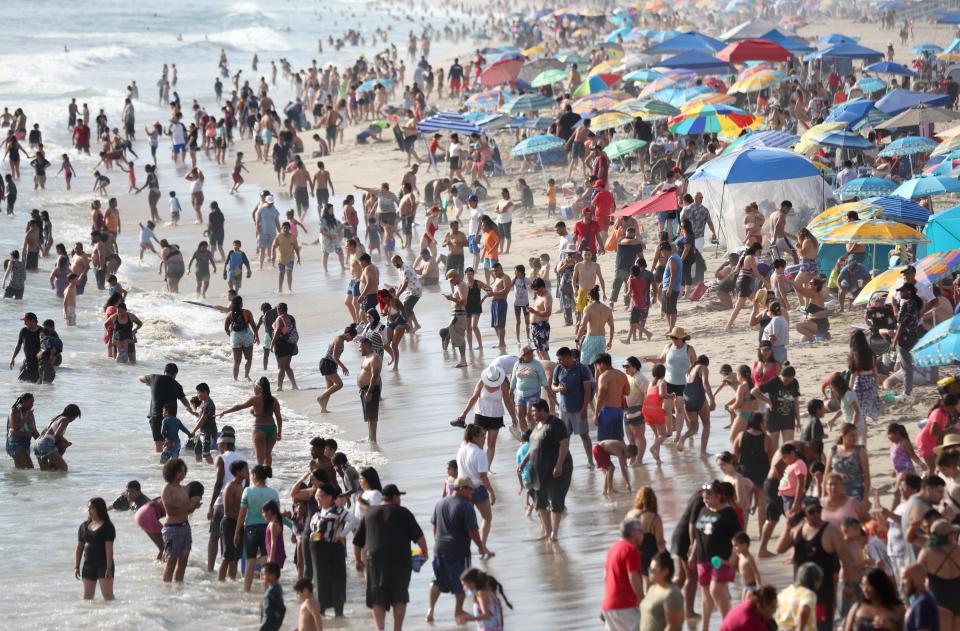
(639, 292)
(584, 231)
(603, 203)
(601, 166)
(622, 558)
(743, 617)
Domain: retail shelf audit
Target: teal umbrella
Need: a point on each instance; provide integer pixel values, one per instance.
(908, 145)
(536, 144)
(549, 77)
(927, 186)
(620, 148)
(940, 346)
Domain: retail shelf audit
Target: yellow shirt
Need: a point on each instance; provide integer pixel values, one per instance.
(287, 246)
(552, 195)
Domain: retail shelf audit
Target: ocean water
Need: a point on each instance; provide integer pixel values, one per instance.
(111, 43)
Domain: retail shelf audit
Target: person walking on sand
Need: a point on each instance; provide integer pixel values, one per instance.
(331, 362)
(268, 420)
(239, 325)
(589, 334)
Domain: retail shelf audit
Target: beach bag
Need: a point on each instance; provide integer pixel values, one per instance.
(697, 292)
(611, 243)
(293, 336)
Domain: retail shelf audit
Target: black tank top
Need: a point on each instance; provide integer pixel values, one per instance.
(473, 299)
(811, 551)
(754, 463)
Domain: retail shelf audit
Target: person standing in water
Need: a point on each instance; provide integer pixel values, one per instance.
(265, 409)
(368, 380)
(331, 362)
(95, 548)
(177, 535)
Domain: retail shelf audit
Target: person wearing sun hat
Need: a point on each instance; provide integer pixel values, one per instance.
(677, 357)
(490, 396)
(29, 342)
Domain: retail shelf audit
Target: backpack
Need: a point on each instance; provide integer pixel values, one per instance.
(239, 324)
(292, 335)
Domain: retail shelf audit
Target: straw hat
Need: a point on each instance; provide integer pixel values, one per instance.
(679, 332)
(760, 298)
(943, 528)
(492, 376)
(950, 440)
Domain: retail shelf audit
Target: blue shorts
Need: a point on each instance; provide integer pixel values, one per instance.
(481, 494)
(181, 148)
(526, 399)
(447, 571)
(400, 321)
(285, 267)
(610, 424)
(498, 313)
(16, 444)
(353, 288)
(472, 245)
(488, 263)
(265, 240)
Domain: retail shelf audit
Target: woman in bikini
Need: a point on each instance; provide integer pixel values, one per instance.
(330, 363)
(243, 335)
(265, 409)
(817, 321)
(392, 308)
(744, 405)
(21, 427)
(808, 247)
(747, 274)
(153, 196)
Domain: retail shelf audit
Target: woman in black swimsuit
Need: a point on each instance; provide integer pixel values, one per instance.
(284, 342)
(817, 322)
(941, 558)
(95, 548)
(125, 326)
(881, 608)
(754, 448)
(697, 403)
(477, 292)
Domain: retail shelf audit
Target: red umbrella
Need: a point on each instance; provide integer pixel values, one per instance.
(754, 50)
(661, 202)
(716, 85)
(500, 72)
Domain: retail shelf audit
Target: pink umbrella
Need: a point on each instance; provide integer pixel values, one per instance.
(500, 72)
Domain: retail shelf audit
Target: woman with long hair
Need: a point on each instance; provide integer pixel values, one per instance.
(51, 446)
(754, 449)
(808, 247)
(371, 491)
(941, 414)
(697, 403)
(658, 409)
(392, 308)
(880, 607)
(251, 523)
(95, 550)
(817, 321)
(743, 404)
(487, 593)
(284, 345)
(862, 363)
(747, 273)
(849, 459)
(265, 409)
(645, 509)
(849, 405)
(243, 335)
(331, 236)
(21, 428)
(331, 362)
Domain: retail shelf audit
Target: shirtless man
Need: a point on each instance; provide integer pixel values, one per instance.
(612, 386)
(753, 224)
(368, 283)
(266, 130)
(781, 238)
(70, 301)
(499, 288)
(589, 333)
(322, 187)
(353, 287)
(407, 211)
(368, 380)
(586, 276)
(177, 537)
(454, 242)
(457, 328)
(577, 147)
(540, 309)
(232, 494)
(300, 188)
(602, 453)
(31, 246)
(310, 618)
(331, 121)
(80, 265)
(410, 177)
(98, 257)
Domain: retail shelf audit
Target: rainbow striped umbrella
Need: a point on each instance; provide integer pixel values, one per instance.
(646, 107)
(488, 100)
(596, 84)
(661, 84)
(680, 95)
(930, 269)
(603, 101)
(757, 81)
(609, 120)
(836, 216)
(711, 118)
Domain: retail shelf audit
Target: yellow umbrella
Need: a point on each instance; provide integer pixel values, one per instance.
(707, 97)
(609, 120)
(881, 282)
(755, 83)
(609, 66)
(837, 216)
(533, 50)
(807, 145)
(874, 231)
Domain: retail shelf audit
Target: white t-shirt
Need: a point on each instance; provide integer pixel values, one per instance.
(455, 149)
(923, 290)
(778, 327)
(178, 132)
(228, 458)
(475, 214)
(471, 462)
(506, 363)
(373, 497)
(505, 217)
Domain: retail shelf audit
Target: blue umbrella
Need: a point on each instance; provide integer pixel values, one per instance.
(866, 187)
(527, 103)
(524, 122)
(889, 67)
(448, 121)
(856, 114)
(907, 146)
(950, 18)
(646, 75)
(900, 209)
(871, 84)
(614, 34)
(694, 60)
(927, 186)
(940, 346)
(370, 84)
(790, 43)
(842, 139)
(686, 42)
(762, 139)
(536, 144)
(679, 96)
(893, 5)
(926, 48)
(900, 100)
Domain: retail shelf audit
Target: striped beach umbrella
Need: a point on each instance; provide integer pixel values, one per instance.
(930, 269)
(710, 119)
(600, 102)
(549, 77)
(488, 100)
(646, 107)
(840, 139)
(523, 103)
(623, 147)
(609, 120)
(536, 144)
(646, 75)
(866, 187)
(596, 84)
(762, 139)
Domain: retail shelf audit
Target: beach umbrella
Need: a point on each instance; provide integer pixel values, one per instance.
(907, 146)
(527, 103)
(536, 145)
(837, 215)
(633, 61)
(600, 102)
(616, 33)
(926, 48)
(930, 270)
(756, 82)
(761, 139)
(596, 84)
(500, 72)
(952, 17)
(679, 96)
(695, 60)
(944, 167)
(871, 84)
(605, 67)
(662, 84)
(711, 98)
(620, 148)
(836, 38)
(527, 122)
(900, 209)
(448, 121)
(856, 114)
(533, 68)
(571, 57)
(489, 121)
(896, 101)
(486, 100)
(889, 67)
(533, 51)
(685, 42)
(840, 139)
(370, 84)
(948, 146)
(874, 232)
(927, 186)
(645, 75)
(792, 44)
(940, 346)
(751, 29)
(845, 51)
(754, 50)
(711, 119)
(609, 120)
(806, 144)
(865, 187)
(661, 202)
(549, 77)
(920, 115)
(651, 107)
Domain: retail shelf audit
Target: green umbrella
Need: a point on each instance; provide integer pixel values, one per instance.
(549, 77)
(621, 148)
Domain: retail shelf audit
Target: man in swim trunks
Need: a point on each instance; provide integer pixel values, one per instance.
(300, 187)
(456, 330)
(283, 248)
(267, 220)
(589, 334)
(612, 387)
(368, 284)
(540, 310)
(781, 238)
(177, 536)
(577, 147)
(499, 288)
(322, 186)
(368, 380)
(164, 389)
(331, 120)
(353, 286)
(586, 276)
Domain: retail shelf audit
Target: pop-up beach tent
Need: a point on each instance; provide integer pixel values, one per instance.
(766, 176)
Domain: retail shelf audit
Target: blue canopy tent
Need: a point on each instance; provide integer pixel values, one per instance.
(836, 38)
(847, 50)
(730, 182)
(790, 43)
(889, 67)
(900, 100)
(949, 18)
(685, 42)
(697, 61)
(943, 230)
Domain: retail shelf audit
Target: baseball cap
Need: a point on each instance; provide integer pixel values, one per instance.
(391, 490)
(269, 199)
(599, 183)
(473, 198)
(29, 315)
(909, 269)
(463, 482)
